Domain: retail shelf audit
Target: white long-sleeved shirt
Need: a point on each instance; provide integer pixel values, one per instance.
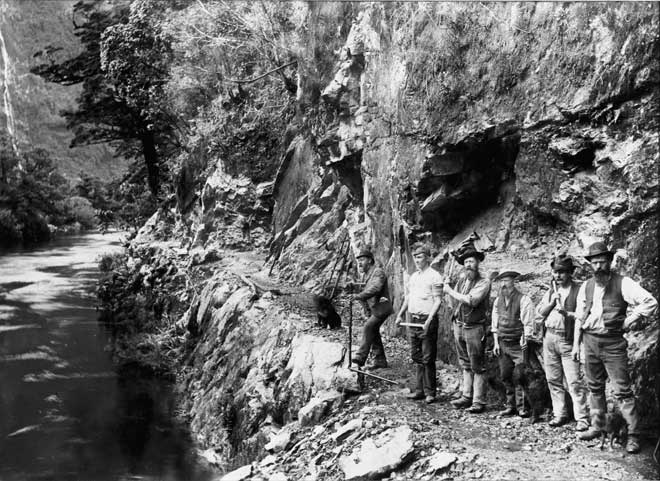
(641, 300)
(526, 315)
(554, 320)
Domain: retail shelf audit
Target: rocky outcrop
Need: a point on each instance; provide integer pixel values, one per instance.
(534, 125)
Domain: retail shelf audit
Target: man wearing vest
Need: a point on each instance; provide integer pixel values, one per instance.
(375, 293)
(422, 300)
(512, 322)
(602, 304)
(469, 308)
(557, 308)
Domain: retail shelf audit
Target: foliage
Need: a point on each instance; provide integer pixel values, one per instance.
(120, 99)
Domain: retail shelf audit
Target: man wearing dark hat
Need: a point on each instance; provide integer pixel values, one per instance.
(602, 314)
(374, 295)
(422, 300)
(469, 311)
(557, 309)
(512, 323)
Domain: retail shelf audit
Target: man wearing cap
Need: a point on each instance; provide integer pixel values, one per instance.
(512, 323)
(557, 309)
(375, 290)
(602, 317)
(422, 300)
(469, 311)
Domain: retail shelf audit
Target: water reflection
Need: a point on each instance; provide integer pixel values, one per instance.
(66, 412)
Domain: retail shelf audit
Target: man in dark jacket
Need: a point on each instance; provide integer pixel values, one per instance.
(602, 315)
(557, 309)
(375, 296)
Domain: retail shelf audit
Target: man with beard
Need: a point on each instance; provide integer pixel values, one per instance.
(422, 300)
(557, 309)
(374, 294)
(512, 323)
(469, 308)
(602, 305)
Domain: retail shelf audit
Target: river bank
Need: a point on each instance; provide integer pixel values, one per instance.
(68, 411)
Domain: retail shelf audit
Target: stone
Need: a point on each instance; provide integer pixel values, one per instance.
(279, 442)
(268, 460)
(343, 431)
(379, 456)
(278, 477)
(319, 406)
(441, 460)
(239, 474)
(211, 456)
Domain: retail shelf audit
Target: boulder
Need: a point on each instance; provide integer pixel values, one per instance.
(239, 474)
(440, 460)
(319, 406)
(344, 431)
(377, 457)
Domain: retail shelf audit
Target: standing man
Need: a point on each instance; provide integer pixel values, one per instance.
(469, 308)
(602, 305)
(422, 300)
(375, 289)
(512, 323)
(557, 308)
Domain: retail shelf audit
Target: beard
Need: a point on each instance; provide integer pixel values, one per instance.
(471, 272)
(601, 275)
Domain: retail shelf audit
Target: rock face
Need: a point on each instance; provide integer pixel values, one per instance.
(30, 112)
(533, 124)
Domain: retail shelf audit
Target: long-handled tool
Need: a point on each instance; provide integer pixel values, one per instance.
(350, 343)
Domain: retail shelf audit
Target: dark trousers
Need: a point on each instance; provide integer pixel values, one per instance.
(371, 341)
(608, 357)
(511, 355)
(423, 351)
(470, 348)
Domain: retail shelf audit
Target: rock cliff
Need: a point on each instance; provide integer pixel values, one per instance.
(30, 107)
(533, 124)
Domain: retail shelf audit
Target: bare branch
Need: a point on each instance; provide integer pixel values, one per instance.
(247, 81)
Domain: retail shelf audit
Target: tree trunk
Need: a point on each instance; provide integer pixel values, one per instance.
(151, 161)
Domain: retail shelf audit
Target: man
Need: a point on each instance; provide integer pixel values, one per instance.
(602, 304)
(512, 323)
(469, 310)
(557, 309)
(423, 297)
(375, 289)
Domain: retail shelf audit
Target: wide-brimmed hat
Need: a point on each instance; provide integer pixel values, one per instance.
(421, 249)
(365, 252)
(598, 249)
(468, 251)
(562, 263)
(505, 274)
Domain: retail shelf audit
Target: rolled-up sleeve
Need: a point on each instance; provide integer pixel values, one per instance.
(644, 304)
(436, 286)
(495, 320)
(479, 292)
(527, 315)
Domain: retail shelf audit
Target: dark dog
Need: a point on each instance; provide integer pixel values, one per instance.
(535, 387)
(327, 316)
(616, 427)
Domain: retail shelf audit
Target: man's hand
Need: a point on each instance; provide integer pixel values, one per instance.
(399, 319)
(554, 298)
(575, 353)
(446, 288)
(425, 329)
(523, 341)
(496, 349)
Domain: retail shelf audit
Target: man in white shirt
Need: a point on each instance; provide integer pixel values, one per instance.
(512, 322)
(602, 314)
(557, 309)
(423, 297)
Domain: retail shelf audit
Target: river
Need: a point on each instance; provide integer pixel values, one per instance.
(66, 412)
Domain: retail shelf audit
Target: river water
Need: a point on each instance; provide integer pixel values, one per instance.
(66, 412)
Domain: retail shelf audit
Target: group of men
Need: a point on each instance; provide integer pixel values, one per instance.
(590, 318)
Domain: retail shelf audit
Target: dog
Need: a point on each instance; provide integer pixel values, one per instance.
(326, 314)
(616, 428)
(534, 385)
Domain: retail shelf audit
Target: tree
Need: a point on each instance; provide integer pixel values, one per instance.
(122, 69)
